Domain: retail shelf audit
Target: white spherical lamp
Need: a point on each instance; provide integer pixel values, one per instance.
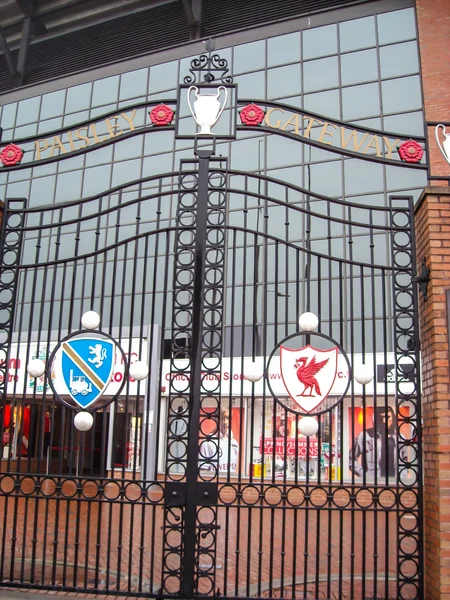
(138, 370)
(90, 319)
(363, 374)
(308, 426)
(83, 421)
(308, 321)
(36, 367)
(252, 372)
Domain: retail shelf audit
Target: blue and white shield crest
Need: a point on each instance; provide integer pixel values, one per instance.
(87, 366)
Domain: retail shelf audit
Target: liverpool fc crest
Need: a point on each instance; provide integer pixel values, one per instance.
(308, 374)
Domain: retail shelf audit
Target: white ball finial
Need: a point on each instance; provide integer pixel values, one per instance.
(90, 319)
(308, 426)
(308, 321)
(83, 421)
(363, 374)
(138, 370)
(252, 372)
(36, 367)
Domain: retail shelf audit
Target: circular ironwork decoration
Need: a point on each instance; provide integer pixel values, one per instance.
(11, 155)
(161, 115)
(311, 369)
(410, 151)
(83, 365)
(252, 115)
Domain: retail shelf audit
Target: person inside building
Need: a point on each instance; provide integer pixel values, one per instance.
(223, 452)
(375, 449)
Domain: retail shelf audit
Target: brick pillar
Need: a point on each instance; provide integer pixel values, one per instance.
(433, 243)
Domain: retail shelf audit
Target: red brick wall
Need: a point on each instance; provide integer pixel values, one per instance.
(433, 243)
(433, 20)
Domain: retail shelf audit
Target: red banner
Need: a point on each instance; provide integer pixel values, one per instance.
(287, 447)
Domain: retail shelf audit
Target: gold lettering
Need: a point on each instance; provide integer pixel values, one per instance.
(95, 136)
(374, 143)
(266, 118)
(83, 137)
(129, 119)
(112, 127)
(57, 143)
(292, 121)
(72, 145)
(309, 126)
(39, 148)
(325, 132)
(390, 148)
(356, 145)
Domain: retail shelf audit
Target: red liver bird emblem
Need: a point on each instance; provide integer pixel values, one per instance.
(308, 374)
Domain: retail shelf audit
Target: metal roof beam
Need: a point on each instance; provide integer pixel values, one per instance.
(30, 8)
(7, 53)
(23, 51)
(193, 12)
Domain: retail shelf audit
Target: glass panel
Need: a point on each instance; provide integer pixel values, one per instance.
(42, 191)
(410, 123)
(163, 77)
(401, 94)
(52, 104)
(251, 85)
(396, 26)
(326, 178)
(284, 81)
(324, 103)
(357, 34)
(359, 66)
(398, 178)
(360, 101)
(282, 152)
(28, 111)
(401, 59)
(105, 91)
(362, 176)
(126, 171)
(244, 155)
(96, 180)
(68, 186)
(320, 74)
(133, 84)
(283, 49)
(319, 41)
(9, 115)
(249, 57)
(78, 97)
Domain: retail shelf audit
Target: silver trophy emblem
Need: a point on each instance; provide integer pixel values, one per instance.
(445, 146)
(207, 108)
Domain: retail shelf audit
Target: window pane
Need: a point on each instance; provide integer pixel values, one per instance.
(401, 59)
(359, 66)
(251, 85)
(326, 178)
(249, 57)
(357, 34)
(320, 74)
(284, 81)
(78, 97)
(28, 111)
(319, 41)
(396, 26)
(401, 94)
(52, 104)
(163, 77)
(324, 103)
(362, 176)
(133, 84)
(105, 91)
(410, 123)
(283, 49)
(361, 101)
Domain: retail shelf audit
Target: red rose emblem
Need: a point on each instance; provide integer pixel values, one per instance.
(161, 115)
(410, 151)
(11, 155)
(252, 115)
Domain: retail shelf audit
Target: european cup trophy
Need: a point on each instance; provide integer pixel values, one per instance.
(207, 108)
(445, 146)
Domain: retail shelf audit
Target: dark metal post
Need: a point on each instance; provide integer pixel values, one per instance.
(196, 375)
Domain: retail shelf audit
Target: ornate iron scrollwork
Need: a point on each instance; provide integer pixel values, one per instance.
(208, 67)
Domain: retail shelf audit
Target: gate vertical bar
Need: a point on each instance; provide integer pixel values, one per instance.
(407, 361)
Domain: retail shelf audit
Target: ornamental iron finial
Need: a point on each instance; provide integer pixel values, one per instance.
(208, 67)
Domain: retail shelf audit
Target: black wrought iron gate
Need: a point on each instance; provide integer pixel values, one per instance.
(199, 481)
